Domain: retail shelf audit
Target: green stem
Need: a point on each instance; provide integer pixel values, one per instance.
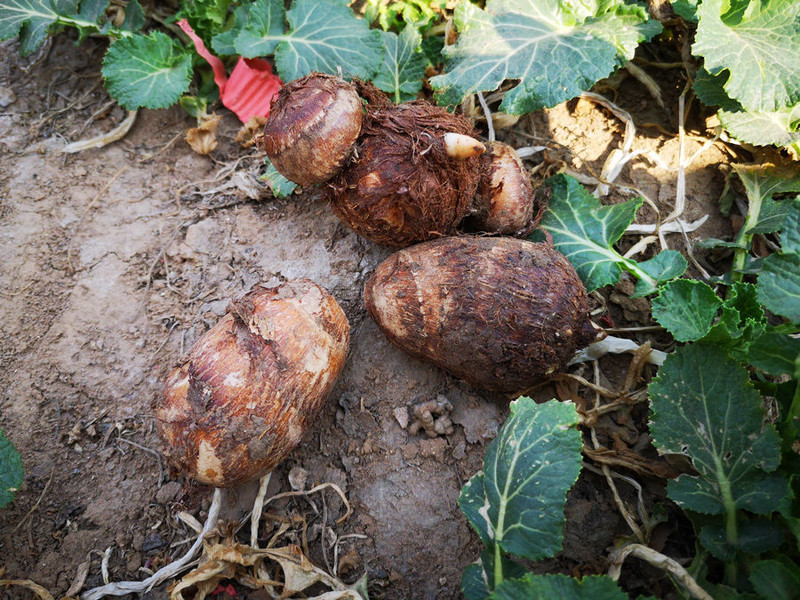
(498, 565)
(731, 522)
(744, 237)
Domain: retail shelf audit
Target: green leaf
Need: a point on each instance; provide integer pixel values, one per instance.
(147, 70)
(666, 265)
(779, 285)
(207, 17)
(10, 470)
(686, 309)
(710, 89)
(224, 43)
(790, 236)
(262, 28)
(517, 503)
(324, 36)
(403, 68)
(758, 42)
(134, 17)
(280, 186)
(473, 585)
(765, 213)
(755, 537)
(774, 353)
(563, 587)
(705, 407)
(585, 232)
(30, 19)
(779, 127)
(741, 321)
(555, 49)
(686, 9)
(775, 579)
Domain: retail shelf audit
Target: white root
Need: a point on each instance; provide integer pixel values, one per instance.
(115, 134)
(462, 146)
(122, 588)
(615, 345)
(660, 561)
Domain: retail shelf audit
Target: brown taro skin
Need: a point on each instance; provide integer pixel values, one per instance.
(501, 313)
(312, 128)
(505, 198)
(253, 383)
(403, 187)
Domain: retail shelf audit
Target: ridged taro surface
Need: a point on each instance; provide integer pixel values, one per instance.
(312, 128)
(253, 383)
(501, 313)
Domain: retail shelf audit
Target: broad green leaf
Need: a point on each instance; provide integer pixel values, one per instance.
(710, 90)
(686, 309)
(324, 36)
(563, 587)
(585, 231)
(758, 42)
(261, 31)
(421, 14)
(790, 236)
(473, 585)
(686, 9)
(554, 48)
(666, 265)
(31, 20)
(765, 213)
(134, 17)
(779, 127)
(478, 579)
(705, 407)
(755, 537)
(516, 504)
(403, 68)
(225, 42)
(147, 70)
(774, 353)
(280, 186)
(10, 470)
(779, 285)
(775, 579)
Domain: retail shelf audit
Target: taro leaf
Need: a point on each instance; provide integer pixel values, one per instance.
(764, 128)
(555, 49)
(776, 579)
(324, 36)
(563, 587)
(280, 186)
(686, 308)
(585, 232)
(516, 504)
(147, 70)
(759, 43)
(765, 213)
(774, 353)
(403, 66)
(704, 406)
(10, 470)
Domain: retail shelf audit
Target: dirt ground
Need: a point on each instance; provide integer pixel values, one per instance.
(115, 260)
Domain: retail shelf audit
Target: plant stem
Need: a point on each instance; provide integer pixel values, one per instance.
(731, 522)
(81, 24)
(744, 237)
